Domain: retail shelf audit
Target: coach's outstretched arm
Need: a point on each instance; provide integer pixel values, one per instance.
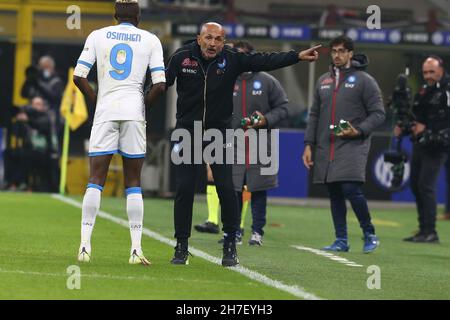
(86, 89)
(271, 61)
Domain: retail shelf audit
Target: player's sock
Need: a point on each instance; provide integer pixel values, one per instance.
(135, 212)
(212, 198)
(91, 205)
(245, 200)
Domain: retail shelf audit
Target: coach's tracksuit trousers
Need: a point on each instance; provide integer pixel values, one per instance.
(186, 177)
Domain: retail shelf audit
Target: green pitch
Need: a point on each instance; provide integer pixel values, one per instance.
(40, 237)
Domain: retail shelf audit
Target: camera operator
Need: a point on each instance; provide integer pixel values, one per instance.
(430, 134)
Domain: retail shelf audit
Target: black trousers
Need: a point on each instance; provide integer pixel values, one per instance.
(447, 180)
(425, 167)
(186, 177)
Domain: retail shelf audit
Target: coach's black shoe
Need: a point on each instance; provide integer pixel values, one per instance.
(419, 235)
(229, 258)
(423, 238)
(429, 238)
(181, 255)
(207, 227)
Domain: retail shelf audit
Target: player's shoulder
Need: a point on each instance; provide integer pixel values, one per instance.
(104, 30)
(147, 34)
(94, 33)
(99, 32)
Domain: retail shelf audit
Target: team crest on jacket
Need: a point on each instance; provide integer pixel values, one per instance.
(221, 67)
(351, 81)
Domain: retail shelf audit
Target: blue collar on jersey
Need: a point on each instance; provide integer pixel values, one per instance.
(126, 24)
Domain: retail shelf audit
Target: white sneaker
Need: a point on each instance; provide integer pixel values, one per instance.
(84, 254)
(137, 257)
(256, 239)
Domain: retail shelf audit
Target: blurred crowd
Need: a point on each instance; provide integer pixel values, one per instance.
(32, 153)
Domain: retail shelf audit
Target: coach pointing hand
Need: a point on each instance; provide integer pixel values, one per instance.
(206, 71)
(310, 54)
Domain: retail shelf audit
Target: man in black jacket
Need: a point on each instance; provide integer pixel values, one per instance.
(206, 72)
(44, 82)
(431, 145)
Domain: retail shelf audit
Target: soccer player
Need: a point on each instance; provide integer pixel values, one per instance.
(124, 55)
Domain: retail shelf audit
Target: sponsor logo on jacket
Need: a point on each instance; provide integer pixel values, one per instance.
(189, 63)
(189, 71)
(327, 81)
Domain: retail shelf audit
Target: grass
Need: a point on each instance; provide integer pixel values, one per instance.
(40, 238)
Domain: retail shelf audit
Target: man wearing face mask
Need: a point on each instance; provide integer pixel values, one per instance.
(431, 136)
(44, 82)
(205, 72)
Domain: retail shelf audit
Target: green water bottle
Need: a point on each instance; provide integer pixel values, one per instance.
(255, 119)
(344, 125)
(245, 122)
(335, 129)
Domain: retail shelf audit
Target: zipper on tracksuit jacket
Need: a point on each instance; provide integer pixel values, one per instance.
(205, 74)
(333, 114)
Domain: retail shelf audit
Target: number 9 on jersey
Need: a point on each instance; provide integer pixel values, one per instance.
(121, 58)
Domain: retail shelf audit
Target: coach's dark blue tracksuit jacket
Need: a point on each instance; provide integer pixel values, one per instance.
(205, 93)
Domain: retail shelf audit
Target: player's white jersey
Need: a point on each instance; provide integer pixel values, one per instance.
(124, 55)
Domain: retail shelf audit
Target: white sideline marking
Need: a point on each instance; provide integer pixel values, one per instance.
(100, 276)
(329, 256)
(294, 290)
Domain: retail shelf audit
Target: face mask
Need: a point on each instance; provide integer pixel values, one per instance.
(46, 74)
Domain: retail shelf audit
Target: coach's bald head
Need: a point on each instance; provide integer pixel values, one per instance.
(211, 40)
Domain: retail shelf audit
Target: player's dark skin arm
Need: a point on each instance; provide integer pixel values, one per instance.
(155, 92)
(98, 165)
(86, 89)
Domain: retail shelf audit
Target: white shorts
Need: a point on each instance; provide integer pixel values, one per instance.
(127, 138)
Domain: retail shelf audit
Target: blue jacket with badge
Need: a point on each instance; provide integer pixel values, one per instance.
(354, 96)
